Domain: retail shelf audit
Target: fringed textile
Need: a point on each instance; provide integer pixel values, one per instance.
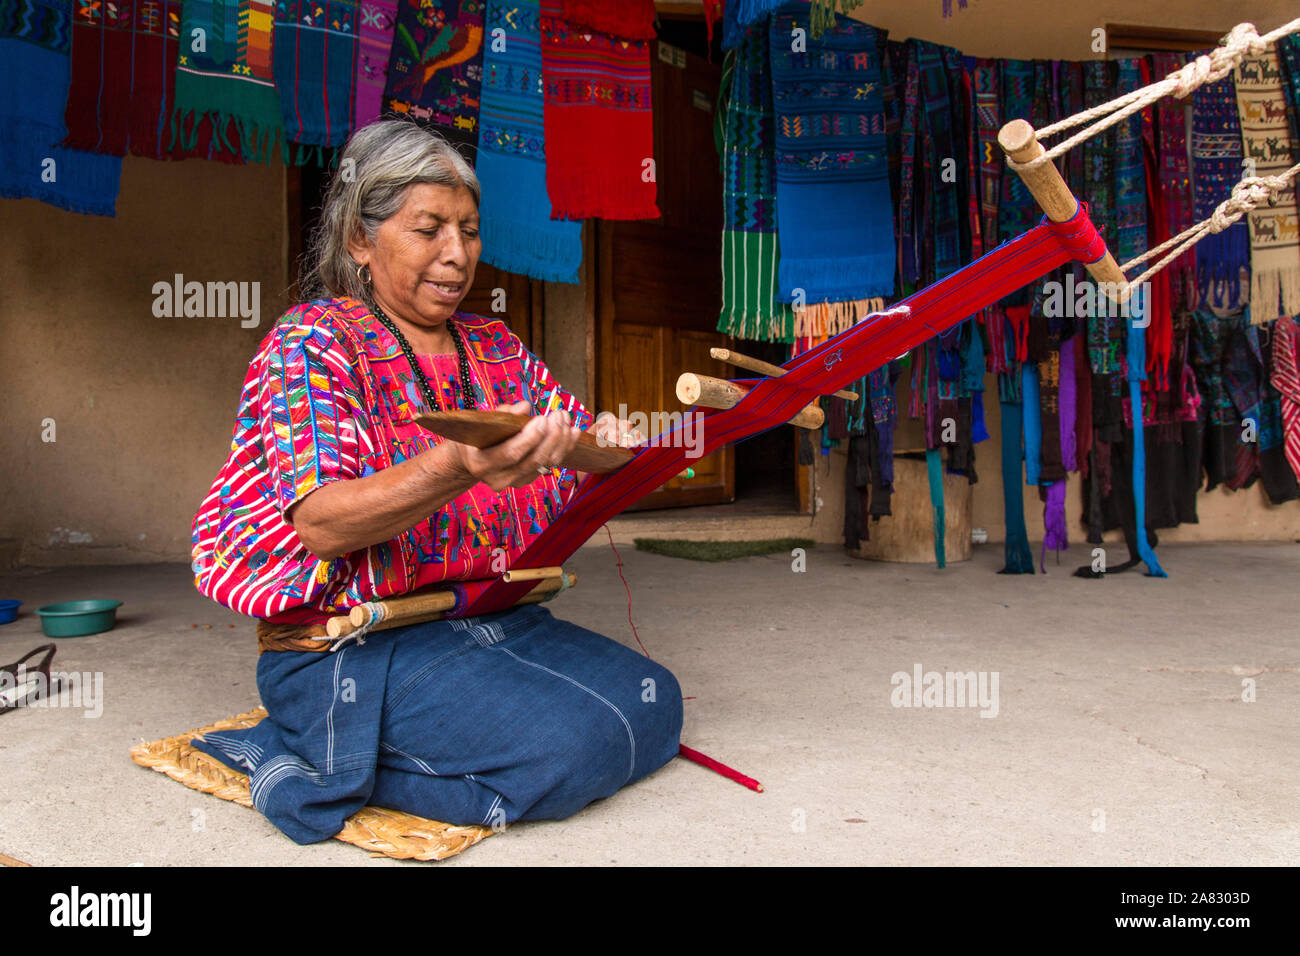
(750, 248)
(229, 81)
(832, 175)
(1274, 228)
(123, 86)
(1222, 259)
(35, 37)
(518, 232)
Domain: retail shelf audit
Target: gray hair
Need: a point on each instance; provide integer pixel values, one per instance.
(380, 162)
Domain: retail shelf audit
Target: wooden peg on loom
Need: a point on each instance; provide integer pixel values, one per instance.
(712, 392)
(767, 368)
(1019, 141)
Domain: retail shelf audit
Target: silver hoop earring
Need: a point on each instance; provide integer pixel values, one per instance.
(366, 279)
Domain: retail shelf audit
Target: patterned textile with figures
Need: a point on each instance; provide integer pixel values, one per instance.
(435, 70)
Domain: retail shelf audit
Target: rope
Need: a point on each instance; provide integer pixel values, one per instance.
(1247, 195)
(1206, 68)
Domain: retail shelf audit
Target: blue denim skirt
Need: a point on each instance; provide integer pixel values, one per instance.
(487, 720)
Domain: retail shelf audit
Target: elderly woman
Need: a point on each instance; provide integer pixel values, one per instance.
(332, 496)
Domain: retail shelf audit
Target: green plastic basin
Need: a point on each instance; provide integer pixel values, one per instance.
(78, 618)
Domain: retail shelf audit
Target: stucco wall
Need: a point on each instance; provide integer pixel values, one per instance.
(143, 406)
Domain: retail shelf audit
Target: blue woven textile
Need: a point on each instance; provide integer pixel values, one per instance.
(35, 41)
(515, 214)
(834, 210)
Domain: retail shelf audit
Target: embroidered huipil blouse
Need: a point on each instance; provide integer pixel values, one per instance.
(329, 397)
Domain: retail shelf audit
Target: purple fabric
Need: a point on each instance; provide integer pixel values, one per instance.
(1055, 535)
(1068, 399)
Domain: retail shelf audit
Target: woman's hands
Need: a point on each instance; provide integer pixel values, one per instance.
(517, 462)
(609, 429)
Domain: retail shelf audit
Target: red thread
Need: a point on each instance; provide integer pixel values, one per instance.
(687, 752)
(619, 558)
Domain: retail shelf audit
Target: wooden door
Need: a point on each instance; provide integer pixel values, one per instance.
(659, 281)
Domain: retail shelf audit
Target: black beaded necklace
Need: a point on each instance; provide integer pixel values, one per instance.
(426, 389)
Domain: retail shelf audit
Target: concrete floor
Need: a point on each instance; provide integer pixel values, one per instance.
(1121, 736)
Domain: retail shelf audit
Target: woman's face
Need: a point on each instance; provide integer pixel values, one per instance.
(423, 256)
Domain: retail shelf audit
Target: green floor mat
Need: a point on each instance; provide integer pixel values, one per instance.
(721, 550)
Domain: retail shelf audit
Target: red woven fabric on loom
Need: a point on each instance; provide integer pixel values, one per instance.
(628, 19)
(832, 365)
(599, 128)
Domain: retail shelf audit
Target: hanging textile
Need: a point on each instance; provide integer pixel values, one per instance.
(228, 78)
(374, 42)
(515, 213)
(1130, 174)
(122, 91)
(315, 69)
(834, 210)
(1274, 228)
(35, 38)
(1100, 158)
(626, 19)
(942, 235)
(1288, 54)
(1175, 180)
(1286, 379)
(749, 228)
(599, 128)
(436, 68)
(1222, 259)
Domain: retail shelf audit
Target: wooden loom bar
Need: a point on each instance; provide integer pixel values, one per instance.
(767, 368)
(1019, 141)
(431, 606)
(531, 574)
(712, 392)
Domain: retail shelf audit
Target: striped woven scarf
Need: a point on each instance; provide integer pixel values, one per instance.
(436, 67)
(1286, 379)
(315, 42)
(374, 41)
(832, 175)
(1130, 174)
(228, 77)
(122, 93)
(35, 36)
(1275, 228)
(1175, 179)
(749, 230)
(1222, 259)
(515, 213)
(599, 128)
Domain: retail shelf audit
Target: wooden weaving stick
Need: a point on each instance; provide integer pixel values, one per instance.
(485, 429)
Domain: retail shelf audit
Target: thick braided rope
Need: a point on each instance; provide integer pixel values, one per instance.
(1206, 68)
(1250, 193)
